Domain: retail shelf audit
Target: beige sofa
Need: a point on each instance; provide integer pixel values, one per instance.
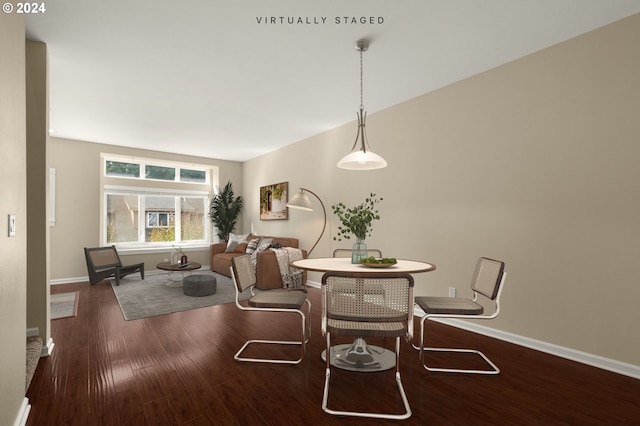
(267, 271)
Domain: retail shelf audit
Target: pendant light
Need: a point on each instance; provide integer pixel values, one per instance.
(361, 157)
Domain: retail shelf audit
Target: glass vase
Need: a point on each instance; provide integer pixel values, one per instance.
(358, 251)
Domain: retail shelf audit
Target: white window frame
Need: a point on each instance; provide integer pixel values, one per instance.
(140, 186)
(159, 222)
(144, 162)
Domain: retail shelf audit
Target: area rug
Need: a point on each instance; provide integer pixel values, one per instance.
(63, 305)
(152, 296)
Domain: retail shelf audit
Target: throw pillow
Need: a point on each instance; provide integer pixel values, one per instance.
(252, 246)
(241, 248)
(234, 240)
(263, 245)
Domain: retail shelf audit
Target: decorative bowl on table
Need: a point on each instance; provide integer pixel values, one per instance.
(378, 262)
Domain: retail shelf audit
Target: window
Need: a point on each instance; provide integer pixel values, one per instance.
(158, 220)
(120, 169)
(160, 173)
(147, 170)
(187, 175)
(151, 204)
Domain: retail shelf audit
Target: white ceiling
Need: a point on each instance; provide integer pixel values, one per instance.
(206, 78)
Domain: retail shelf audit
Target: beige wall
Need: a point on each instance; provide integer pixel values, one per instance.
(37, 189)
(77, 165)
(534, 163)
(13, 272)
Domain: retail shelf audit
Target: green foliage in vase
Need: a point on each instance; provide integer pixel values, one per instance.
(357, 220)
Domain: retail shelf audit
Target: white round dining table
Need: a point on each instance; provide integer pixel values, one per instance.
(343, 264)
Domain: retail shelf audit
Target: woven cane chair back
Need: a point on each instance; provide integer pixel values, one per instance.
(377, 298)
(103, 257)
(245, 276)
(487, 277)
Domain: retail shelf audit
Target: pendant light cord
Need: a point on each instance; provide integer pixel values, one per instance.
(361, 84)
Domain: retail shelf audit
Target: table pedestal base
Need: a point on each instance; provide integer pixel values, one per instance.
(175, 282)
(358, 356)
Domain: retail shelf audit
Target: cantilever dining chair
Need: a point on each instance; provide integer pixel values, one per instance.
(277, 300)
(348, 308)
(487, 283)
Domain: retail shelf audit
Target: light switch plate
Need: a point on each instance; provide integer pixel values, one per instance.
(12, 225)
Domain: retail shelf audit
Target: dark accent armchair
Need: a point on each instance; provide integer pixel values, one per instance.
(104, 262)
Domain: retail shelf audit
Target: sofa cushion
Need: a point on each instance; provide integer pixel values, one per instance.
(285, 242)
(234, 240)
(222, 262)
(241, 248)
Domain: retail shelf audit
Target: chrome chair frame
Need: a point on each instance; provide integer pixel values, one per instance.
(287, 301)
(388, 320)
(473, 312)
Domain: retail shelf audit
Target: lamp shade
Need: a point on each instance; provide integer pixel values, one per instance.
(300, 201)
(361, 160)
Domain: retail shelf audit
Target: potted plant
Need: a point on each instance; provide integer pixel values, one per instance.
(224, 210)
(357, 221)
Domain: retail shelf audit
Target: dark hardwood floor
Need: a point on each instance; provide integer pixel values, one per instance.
(178, 369)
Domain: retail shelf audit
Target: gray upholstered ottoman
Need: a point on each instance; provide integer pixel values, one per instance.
(199, 285)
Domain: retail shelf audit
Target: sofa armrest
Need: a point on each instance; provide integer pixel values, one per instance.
(214, 249)
(268, 273)
(218, 248)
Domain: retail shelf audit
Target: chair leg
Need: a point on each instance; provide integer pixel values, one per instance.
(399, 381)
(302, 343)
(493, 368)
(325, 397)
(327, 375)
(308, 321)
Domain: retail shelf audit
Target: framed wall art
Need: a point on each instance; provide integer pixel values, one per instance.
(273, 201)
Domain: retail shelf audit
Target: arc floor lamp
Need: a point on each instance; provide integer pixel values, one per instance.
(300, 201)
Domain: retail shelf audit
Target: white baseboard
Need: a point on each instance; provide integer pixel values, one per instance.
(69, 280)
(23, 413)
(550, 348)
(86, 278)
(47, 349)
(314, 284)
